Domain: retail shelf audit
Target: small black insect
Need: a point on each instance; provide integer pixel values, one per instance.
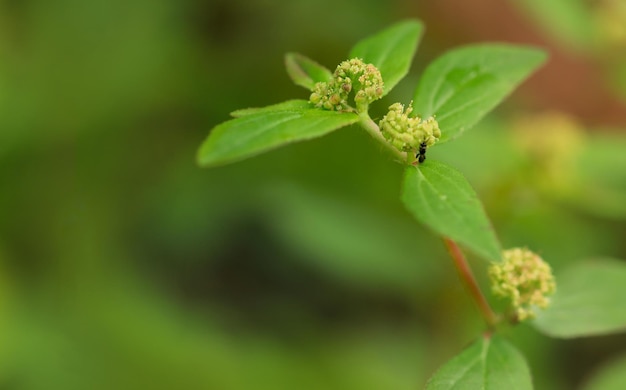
(421, 154)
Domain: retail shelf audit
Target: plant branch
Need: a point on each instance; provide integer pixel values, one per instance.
(372, 128)
(465, 272)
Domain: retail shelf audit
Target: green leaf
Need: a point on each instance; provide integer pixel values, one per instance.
(296, 104)
(463, 85)
(589, 301)
(611, 376)
(440, 197)
(265, 130)
(304, 71)
(489, 363)
(391, 50)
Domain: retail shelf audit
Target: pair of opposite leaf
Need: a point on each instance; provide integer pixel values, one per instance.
(257, 130)
(458, 88)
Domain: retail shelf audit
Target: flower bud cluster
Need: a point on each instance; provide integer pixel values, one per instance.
(406, 133)
(350, 75)
(523, 278)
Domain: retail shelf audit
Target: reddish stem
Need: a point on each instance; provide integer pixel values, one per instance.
(467, 276)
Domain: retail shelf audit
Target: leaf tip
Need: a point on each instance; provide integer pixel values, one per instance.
(415, 24)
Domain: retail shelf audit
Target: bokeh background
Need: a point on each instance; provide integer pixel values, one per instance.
(125, 266)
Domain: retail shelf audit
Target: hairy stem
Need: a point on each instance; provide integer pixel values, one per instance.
(372, 128)
(467, 276)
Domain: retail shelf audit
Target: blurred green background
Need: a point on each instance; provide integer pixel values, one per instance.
(125, 266)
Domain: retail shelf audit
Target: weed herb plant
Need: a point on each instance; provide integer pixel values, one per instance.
(454, 93)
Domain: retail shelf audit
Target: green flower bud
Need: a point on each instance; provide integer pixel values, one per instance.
(407, 133)
(524, 279)
(327, 96)
(315, 98)
(351, 75)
